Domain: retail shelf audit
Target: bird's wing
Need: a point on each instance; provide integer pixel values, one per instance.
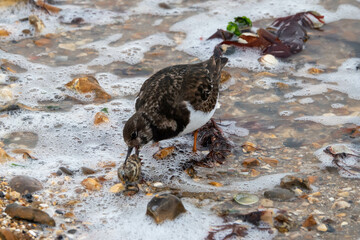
(165, 104)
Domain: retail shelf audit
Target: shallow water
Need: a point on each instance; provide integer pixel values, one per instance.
(285, 110)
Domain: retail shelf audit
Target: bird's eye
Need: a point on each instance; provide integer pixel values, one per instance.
(133, 135)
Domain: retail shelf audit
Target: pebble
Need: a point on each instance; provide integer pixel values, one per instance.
(164, 207)
(91, 184)
(60, 58)
(2, 78)
(279, 194)
(117, 188)
(343, 194)
(68, 46)
(322, 227)
(72, 231)
(340, 205)
(6, 234)
(28, 213)
(14, 195)
(290, 182)
(158, 184)
(24, 184)
(66, 171)
(266, 203)
(101, 118)
(344, 224)
(251, 162)
(6, 94)
(87, 171)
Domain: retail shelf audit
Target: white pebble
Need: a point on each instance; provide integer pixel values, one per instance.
(2, 78)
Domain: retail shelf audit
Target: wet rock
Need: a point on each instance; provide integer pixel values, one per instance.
(271, 161)
(29, 139)
(28, 213)
(290, 182)
(91, 184)
(72, 231)
(117, 188)
(6, 94)
(293, 143)
(4, 157)
(87, 171)
(68, 46)
(163, 153)
(163, 207)
(279, 194)
(340, 205)
(89, 84)
(216, 184)
(131, 190)
(249, 147)
(24, 184)
(4, 33)
(66, 171)
(266, 203)
(14, 195)
(251, 162)
(310, 222)
(6, 234)
(164, 5)
(322, 228)
(100, 118)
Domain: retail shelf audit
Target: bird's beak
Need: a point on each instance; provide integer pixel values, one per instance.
(128, 153)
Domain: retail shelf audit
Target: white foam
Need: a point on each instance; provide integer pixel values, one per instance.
(345, 80)
(286, 113)
(130, 52)
(306, 100)
(337, 105)
(152, 7)
(331, 120)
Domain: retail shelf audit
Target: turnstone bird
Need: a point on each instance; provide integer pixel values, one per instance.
(174, 101)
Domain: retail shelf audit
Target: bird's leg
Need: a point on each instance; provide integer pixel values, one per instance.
(195, 140)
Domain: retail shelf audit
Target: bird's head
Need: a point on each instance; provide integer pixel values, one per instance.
(137, 132)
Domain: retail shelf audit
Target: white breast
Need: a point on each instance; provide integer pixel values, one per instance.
(197, 118)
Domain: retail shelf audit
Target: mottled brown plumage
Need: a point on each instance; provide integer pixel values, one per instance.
(162, 106)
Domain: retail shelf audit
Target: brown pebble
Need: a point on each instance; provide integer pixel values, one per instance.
(28, 213)
(25, 184)
(87, 171)
(164, 207)
(251, 162)
(6, 234)
(66, 171)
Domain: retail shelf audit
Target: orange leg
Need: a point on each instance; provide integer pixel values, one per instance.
(195, 139)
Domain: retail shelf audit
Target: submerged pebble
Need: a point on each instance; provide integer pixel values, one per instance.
(28, 213)
(164, 207)
(279, 194)
(25, 184)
